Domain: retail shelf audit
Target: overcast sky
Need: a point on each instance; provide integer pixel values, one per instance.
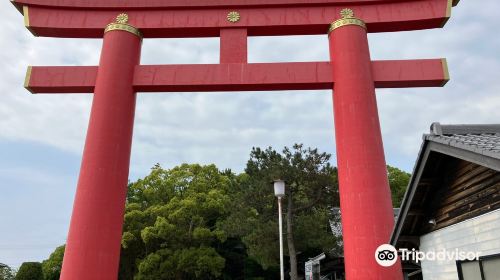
(42, 136)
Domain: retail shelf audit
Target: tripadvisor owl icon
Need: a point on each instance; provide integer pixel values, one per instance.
(386, 255)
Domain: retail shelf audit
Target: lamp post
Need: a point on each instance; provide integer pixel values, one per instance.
(279, 192)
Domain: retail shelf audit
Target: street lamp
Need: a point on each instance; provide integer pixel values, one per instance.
(279, 192)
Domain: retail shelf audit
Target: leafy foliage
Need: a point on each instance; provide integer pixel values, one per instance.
(197, 222)
(172, 224)
(311, 184)
(51, 267)
(6, 273)
(187, 263)
(30, 271)
(398, 181)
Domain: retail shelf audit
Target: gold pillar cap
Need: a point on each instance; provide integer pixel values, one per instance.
(348, 18)
(121, 23)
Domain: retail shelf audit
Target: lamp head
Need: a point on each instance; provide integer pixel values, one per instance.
(279, 188)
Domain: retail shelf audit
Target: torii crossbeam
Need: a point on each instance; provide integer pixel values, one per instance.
(93, 244)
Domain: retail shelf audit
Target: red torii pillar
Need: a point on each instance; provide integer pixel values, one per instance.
(93, 245)
(365, 197)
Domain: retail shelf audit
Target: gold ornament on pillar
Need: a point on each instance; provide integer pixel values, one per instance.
(348, 18)
(121, 23)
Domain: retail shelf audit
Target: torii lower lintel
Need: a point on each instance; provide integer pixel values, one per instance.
(238, 76)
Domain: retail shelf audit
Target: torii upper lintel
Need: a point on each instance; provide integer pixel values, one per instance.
(204, 18)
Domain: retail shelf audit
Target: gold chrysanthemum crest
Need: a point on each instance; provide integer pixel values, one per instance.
(122, 18)
(233, 16)
(347, 13)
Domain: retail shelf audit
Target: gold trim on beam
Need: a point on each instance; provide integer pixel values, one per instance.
(446, 73)
(122, 24)
(347, 19)
(27, 79)
(27, 20)
(26, 16)
(449, 6)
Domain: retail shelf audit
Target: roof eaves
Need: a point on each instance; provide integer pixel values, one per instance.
(423, 154)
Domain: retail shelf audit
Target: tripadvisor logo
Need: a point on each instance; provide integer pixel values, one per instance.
(386, 255)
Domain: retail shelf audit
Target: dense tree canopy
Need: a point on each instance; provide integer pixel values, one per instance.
(172, 224)
(30, 271)
(311, 191)
(198, 222)
(51, 267)
(398, 181)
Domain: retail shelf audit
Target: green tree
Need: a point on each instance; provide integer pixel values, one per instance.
(398, 181)
(6, 273)
(311, 191)
(51, 267)
(30, 271)
(196, 222)
(172, 224)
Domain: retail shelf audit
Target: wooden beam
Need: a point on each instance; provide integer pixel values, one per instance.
(469, 197)
(61, 79)
(237, 76)
(64, 19)
(489, 207)
(415, 213)
(428, 182)
(176, 4)
(233, 45)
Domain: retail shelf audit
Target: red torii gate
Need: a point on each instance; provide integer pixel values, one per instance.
(93, 244)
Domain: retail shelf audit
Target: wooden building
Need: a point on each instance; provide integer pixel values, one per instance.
(452, 203)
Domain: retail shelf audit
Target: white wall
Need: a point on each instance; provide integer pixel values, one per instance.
(480, 234)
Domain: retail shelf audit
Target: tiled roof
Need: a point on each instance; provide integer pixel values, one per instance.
(480, 139)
